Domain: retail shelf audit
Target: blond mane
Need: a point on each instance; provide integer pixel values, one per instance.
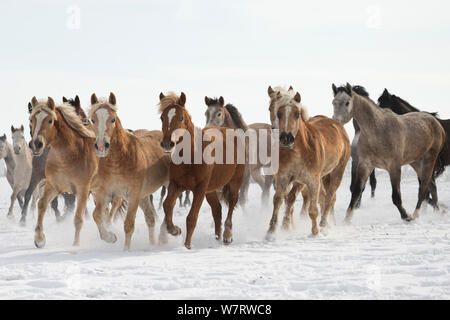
(102, 102)
(74, 120)
(286, 98)
(169, 100)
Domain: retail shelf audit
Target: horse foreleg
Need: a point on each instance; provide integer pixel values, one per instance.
(169, 203)
(130, 219)
(82, 197)
(191, 219)
(314, 190)
(216, 209)
(362, 174)
(290, 200)
(395, 175)
(424, 171)
(280, 194)
(100, 207)
(149, 212)
(49, 194)
(13, 199)
(373, 184)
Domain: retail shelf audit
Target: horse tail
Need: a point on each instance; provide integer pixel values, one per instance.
(122, 210)
(439, 167)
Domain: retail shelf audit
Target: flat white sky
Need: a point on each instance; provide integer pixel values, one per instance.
(231, 48)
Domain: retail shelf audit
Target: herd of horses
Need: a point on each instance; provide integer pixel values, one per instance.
(76, 155)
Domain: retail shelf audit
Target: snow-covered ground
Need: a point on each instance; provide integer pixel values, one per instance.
(378, 256)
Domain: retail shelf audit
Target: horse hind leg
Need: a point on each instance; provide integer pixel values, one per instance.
(424, 171)
(187, 200)
(362, 174)
(243, 192)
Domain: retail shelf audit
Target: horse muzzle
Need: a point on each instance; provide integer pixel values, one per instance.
(167, 147)
(101, 148)
(37, 146)
(287, 140)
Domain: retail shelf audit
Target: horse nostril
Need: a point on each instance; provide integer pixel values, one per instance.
(161, 144)
(38, 144)
(172, 144)
(107, 145)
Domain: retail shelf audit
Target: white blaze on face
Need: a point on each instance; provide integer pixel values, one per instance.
(39, 118)
(102, 116)
(170, 116)
(288, 112)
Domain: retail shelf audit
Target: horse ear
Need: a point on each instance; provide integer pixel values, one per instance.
(112, 98)
(349, 88)
(270, 91)
(298, 97)
(94, 99)
(51, 103)
(386, 92)
(65, 100)
(182, 100)
(333, 86)
(34, 102)
(207, 101)
(30, 107)
(77, 102)
(12, 129)
(22, 128)
(291, 88)
(221, 101)
(3, 137)
(161, 96)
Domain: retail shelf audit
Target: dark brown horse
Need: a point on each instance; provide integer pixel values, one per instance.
(204, 178)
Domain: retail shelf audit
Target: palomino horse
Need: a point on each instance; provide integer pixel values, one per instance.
(71, 162)
(203, 177)
(38, 172)
(22, 169)
(312, 152)
(220, 115)
(7, 153)
(276, 95)
(131, 165)
(389, 141)
(400, 106)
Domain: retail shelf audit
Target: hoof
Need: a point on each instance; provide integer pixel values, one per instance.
(10, 216)
(40, 244)
(23, 222)
(176, 231)
(110, 237)
(227, 241)
(407, 218)
(218, 237)
(270, 236)
(324, 224)
(348, 220)
(188, 246)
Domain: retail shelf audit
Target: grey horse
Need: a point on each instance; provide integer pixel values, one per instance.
(389, 141)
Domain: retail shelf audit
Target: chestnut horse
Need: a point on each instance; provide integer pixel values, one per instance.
(71, 162)
(131, 165)
(313, 153)
(203, 178)
(220, 115)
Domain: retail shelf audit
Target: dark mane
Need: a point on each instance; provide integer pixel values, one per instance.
(407, 104)
(358, 89)
(236, 116)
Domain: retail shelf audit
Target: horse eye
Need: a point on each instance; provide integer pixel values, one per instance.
(347, 104)
(219, 114)
(93, 121)
(50, 121)
(113, 120)
(297, 115)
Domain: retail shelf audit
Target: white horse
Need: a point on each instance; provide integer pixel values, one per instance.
(21, 174)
